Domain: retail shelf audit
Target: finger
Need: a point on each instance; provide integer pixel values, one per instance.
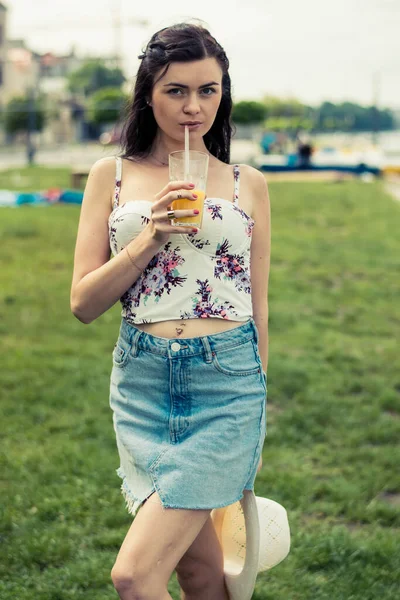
(179, 214)
(185, 230)
(160, 214)
(174, 185)
(165, 203)
(178, 229)
(179, 195)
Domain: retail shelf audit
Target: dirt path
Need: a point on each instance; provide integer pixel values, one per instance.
(392, 186)
(393, 189)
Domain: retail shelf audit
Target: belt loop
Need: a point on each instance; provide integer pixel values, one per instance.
(254, 327)
(135, 342)
(207, 349)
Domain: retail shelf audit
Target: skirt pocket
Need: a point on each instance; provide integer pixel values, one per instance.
(121, 353)
(237, 360)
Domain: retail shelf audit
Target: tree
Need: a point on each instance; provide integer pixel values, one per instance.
(247, 112)
(286, 107)
(16, 114)
(349, 116)
(288, 123)
(106, 105)
(94, 75)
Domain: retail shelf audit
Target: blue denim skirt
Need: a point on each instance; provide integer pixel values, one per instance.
(189, 416)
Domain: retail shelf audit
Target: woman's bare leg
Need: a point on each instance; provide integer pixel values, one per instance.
(200, 571)
(152, 548)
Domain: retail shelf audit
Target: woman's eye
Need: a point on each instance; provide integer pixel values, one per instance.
(213, 90)
(173, 90)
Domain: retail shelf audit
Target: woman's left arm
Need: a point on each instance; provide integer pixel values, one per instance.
(260, 253)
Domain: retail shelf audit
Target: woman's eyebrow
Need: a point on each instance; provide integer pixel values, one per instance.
(186, 86)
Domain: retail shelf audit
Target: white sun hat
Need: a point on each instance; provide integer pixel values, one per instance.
(254, 535)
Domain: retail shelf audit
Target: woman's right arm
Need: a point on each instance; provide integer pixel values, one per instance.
(98, 282)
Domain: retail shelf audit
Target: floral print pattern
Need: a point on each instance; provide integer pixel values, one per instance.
(232, 267)
(214, 282)
(204, 306)
(128, 313)
(249, 222)
(236, 176)
(113, 234)
(214, 210)
(113, 229)
(197, 241)
(160, 276)
(117, 192)
(145, 220)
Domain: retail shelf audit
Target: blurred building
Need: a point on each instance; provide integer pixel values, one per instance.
(24, 71)
(18, 69)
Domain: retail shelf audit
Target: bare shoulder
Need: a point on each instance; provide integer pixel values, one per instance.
(253, 176)
(255, 184)
(102, 176)
(104, 167)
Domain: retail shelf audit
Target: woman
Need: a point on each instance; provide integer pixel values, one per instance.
(188, 382)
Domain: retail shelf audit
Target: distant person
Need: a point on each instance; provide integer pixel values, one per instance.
(304, 153)
(31, 152)
(268, 141)
(189, 367)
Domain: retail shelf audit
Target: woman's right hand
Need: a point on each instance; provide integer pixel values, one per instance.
(160, 225)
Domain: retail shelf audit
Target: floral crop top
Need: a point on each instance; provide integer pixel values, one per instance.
(197, 275)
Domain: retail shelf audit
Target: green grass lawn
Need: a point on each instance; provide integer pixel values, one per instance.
(331, 455)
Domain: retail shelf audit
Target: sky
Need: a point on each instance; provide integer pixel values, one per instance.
(312, 50)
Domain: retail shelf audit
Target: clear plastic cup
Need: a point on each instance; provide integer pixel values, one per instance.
(198, 171)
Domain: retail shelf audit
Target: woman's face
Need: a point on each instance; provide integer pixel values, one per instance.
(187, 92)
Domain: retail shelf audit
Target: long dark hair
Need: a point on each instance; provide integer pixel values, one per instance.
(182, 42)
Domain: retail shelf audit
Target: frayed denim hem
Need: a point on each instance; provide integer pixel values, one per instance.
(133, 503)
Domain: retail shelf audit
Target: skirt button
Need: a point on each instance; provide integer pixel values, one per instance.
(175, 346)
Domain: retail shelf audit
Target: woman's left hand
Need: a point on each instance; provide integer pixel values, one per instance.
(259, 464)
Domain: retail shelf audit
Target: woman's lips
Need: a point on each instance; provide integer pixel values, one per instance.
(192, 126)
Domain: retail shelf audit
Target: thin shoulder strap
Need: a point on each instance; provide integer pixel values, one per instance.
(118, 175)
(236, 175)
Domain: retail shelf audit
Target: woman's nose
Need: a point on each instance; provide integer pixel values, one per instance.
(192, 105)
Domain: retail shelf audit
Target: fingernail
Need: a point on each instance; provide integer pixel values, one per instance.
(191, 184)
(194, 195)
(194, 230)
(196, 212)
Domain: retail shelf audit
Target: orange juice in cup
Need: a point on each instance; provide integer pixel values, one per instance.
(198, 169)
(186, 204)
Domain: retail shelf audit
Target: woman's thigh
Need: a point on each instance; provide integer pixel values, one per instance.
(157, 540)
(203, 555)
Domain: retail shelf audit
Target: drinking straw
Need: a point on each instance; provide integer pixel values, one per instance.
(186, 152)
